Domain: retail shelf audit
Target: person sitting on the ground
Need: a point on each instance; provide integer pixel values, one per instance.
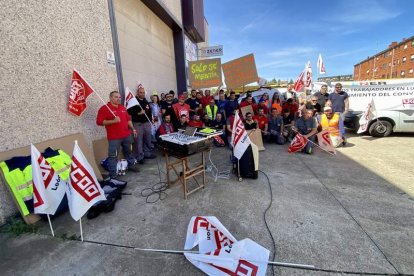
(334, 124)
(275, 129)
(307, 126)
(207, 122)
(182, 124)
(288, 122)
(249, 123)
(262, 121)
(166, 126)
(196, 122)
(220, 124)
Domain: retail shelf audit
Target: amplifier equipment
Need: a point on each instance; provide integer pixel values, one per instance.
(183, 145)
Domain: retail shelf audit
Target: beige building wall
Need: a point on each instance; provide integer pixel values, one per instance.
(41, 42)
(146, 47)
(174, 7)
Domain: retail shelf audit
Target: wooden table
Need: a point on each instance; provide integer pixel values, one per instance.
(183, 171)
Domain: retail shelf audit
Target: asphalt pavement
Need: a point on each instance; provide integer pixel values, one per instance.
(350, 213)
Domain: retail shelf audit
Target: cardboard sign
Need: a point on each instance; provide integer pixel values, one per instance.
(205, 73)
(240, 71)
(245, 109)
(256, 138)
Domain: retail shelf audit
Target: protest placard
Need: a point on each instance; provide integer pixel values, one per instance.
(240, 71)
(204, 73)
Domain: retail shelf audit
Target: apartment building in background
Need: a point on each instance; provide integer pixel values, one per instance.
(397, 61)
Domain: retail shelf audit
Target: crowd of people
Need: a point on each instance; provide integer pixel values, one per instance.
(278, 118)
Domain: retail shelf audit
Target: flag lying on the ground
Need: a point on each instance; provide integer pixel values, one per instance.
(298, 143)
(130, 99)
(324, 141)
(299, 82)
(83, 189)
(308, 77)
(321, 65)
(219, 253)
(79, 91)
(366, 117)
(239, 138)
(48, 187)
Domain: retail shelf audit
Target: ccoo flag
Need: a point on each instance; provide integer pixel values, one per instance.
(308, 76)
(48, 187)
(130, 99)
(298, 143)
(320, 65)
(83, 189)
(79, 91)
(239, 138)
(367, 117)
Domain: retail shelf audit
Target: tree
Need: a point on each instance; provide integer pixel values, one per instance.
(291, 81)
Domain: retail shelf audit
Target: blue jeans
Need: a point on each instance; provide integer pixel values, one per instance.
(275, 137)
(113, 146)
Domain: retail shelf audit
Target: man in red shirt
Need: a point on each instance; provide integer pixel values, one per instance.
(166, 126)
(205, 100)
(248, 101)
(196, 122)
(262, 121)
(181, 108)
(118, 125)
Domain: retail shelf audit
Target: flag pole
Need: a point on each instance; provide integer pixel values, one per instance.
(50, 224)
(242, 259)
(80, 226)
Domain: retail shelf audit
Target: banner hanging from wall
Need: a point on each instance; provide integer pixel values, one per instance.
(205, 73)
(241, 71)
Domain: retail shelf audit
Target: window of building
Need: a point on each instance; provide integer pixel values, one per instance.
(389, 64)
(412, 43)
(405, 46)
(404, 59)
(411, 71)
(384, 66)
(402, 73)
(412, 57)
(368, 71)
(385, 54)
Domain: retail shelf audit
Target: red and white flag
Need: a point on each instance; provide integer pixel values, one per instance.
(239, 138)
(366, 117)
(79, 92)
(83, 189)
(219, 253)
(325, 142)
(298, 143)
(299, 83)
(48, 187)
(308, 76)
(321, 65)
(130, 99)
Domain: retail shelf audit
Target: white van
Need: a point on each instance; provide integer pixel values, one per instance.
(393, 100)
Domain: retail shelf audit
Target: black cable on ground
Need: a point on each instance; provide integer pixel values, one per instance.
(352, 217)
(157, 190)
(264, 217)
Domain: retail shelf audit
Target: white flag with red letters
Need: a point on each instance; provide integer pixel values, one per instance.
(325, 142)
(308, 76)
(219, 253)
(48, 187)
(83, 189)
(321, 65)
(130, 99)
(239, 138)
(367, 117)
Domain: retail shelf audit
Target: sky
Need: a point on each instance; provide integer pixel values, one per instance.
(283, 35)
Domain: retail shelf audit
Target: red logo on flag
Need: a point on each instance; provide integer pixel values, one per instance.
(82, 181)
(240, 131)
(79, 91)
(299, 82)
(298, 143)
(37, 199)
(46, 169)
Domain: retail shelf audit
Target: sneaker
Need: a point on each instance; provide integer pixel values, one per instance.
(309, 151)
(344, 142)
(133, 168)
